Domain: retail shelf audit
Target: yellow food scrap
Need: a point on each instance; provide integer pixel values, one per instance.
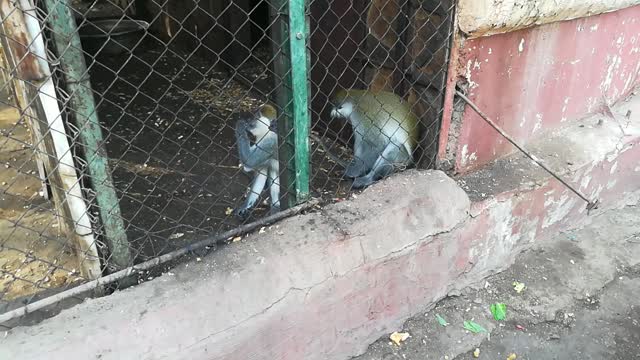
(397, 337)
(518, 286)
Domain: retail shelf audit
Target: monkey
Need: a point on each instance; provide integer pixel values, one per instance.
(385, 133)
(257, 143)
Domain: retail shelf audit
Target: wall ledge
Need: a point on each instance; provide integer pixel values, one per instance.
(478, 18)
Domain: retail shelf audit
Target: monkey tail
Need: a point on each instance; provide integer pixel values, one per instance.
(330, 153)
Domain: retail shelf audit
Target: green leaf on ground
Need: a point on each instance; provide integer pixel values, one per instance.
(474, 327)
(499, 311)
(441, 320)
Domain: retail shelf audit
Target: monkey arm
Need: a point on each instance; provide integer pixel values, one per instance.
(254, 156)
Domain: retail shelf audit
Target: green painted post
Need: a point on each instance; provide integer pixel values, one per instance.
(292, 97)
(71, 58)
(298, 35)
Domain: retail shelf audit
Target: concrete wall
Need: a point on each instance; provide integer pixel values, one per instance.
(541, 78)
(488, 17)
(324, 285)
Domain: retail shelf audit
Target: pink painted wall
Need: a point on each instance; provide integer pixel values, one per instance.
(536, 79)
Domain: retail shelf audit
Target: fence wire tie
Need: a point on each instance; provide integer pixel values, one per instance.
(591, 204)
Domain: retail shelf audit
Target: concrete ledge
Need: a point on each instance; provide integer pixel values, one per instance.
(326, 284)
(488, 17)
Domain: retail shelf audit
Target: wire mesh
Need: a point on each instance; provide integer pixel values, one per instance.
(169, 80)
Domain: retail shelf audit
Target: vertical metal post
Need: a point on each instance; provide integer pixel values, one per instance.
(292, 97)
(76, 76)
(299, 33)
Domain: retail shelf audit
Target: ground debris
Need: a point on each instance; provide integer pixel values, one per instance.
(398, 337)
(562, 311)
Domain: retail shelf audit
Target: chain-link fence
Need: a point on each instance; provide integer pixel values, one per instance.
(119, 138)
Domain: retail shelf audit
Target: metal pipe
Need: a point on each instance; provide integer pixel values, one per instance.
(591, 204)
(124, 273)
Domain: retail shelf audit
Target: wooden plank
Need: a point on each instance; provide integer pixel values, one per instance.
(71, 58)
(32, 85)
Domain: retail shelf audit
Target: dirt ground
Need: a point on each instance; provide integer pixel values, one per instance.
(581, 300)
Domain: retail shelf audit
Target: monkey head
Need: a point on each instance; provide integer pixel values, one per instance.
(264, 120)
(343, 104)
(268, 111)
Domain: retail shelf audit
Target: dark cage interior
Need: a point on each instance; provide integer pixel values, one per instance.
(170, 78)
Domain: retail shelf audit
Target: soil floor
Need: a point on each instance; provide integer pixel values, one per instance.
(581, 300)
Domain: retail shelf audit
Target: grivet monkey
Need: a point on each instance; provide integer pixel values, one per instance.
(385, 133)
(385, 130)
(257, 141)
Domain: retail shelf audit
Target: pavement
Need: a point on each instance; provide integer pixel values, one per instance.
(581, 300)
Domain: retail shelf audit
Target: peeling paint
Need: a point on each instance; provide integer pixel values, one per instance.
(614, 64)
(613, 168)
(585, 182)
(558, 210)
(596, 193)
(464, 156)
(500, 240)
(472, 84)
(538, 125)
(591, 104)
(467, 158)
(565, 104)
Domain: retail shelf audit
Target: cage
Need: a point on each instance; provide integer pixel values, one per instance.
(164, 82)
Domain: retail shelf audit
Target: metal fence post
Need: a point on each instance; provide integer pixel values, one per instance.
(292, 97)
(71, 58)
(299, 29)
